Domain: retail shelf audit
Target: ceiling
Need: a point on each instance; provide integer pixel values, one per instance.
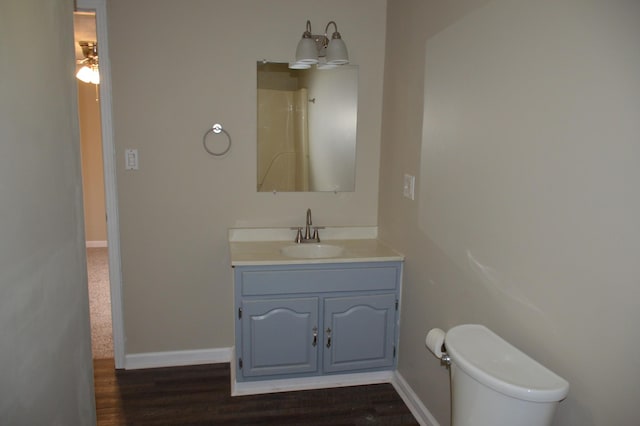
(84, 25)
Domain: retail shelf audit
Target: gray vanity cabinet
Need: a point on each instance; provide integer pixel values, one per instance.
(315, 319)
(359, 332)
(278, 336)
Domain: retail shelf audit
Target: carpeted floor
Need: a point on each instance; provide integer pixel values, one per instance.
(100, 302)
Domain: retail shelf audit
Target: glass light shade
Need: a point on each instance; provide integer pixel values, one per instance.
(299, 65)
(307, 52)
(84, 74)
(89, 75)
(337, 52)
(95, 77)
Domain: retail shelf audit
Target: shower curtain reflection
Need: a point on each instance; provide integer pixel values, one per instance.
(283, 157)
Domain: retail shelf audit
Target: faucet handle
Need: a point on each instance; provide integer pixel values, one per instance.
(298, 239)
(316, 235)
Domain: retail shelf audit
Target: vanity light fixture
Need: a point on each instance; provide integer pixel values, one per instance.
(312, 48)
(89, 72)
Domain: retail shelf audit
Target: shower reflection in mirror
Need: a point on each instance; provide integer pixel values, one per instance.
(307, 123)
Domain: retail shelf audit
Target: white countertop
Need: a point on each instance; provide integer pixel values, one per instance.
(360, 245)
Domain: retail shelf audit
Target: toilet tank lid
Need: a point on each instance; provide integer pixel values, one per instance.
(492, 361)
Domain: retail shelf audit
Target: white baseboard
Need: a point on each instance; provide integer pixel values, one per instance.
(177, 358)
(92, 244)
(417, 408)
(306, 383)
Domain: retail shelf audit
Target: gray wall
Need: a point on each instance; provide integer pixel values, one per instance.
(177, 68)
(526, 217)
(45, 360)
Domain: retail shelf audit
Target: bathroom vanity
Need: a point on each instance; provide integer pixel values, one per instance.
(333, 320)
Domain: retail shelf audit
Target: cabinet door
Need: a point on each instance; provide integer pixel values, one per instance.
(279, 336)
(359, 332)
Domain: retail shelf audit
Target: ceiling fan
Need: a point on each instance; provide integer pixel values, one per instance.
(89, 72)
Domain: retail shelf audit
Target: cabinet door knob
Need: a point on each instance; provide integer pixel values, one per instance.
(315, 336)
(328, 331)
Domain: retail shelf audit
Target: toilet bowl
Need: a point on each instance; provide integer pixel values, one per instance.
(495, 384)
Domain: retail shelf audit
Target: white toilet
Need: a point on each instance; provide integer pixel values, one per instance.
(495, 384)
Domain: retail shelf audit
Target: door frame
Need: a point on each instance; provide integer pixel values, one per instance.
(109, 159)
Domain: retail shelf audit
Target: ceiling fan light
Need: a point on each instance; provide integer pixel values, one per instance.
(85, 74)
(95, 75)
(89, 72)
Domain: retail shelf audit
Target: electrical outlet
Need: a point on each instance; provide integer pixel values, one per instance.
(409, 186)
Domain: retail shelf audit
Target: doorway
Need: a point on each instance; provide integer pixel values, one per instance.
(98, 11)
(95, 223)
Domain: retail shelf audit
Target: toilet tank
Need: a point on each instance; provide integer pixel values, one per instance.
(493, 383)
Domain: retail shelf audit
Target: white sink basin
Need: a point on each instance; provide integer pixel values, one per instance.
(312, 251)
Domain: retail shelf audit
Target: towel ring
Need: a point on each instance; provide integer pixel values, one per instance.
(216, 128)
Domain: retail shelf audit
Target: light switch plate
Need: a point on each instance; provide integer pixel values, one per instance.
(409, 186)
(131, 159)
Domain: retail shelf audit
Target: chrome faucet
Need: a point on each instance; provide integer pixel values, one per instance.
(308, 236)
(307, 229)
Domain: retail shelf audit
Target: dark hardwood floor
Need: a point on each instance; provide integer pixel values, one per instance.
(200, 395)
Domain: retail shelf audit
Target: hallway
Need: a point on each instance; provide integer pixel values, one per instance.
(99, 302)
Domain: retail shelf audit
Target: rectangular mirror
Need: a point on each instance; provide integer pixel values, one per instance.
(306, 128)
